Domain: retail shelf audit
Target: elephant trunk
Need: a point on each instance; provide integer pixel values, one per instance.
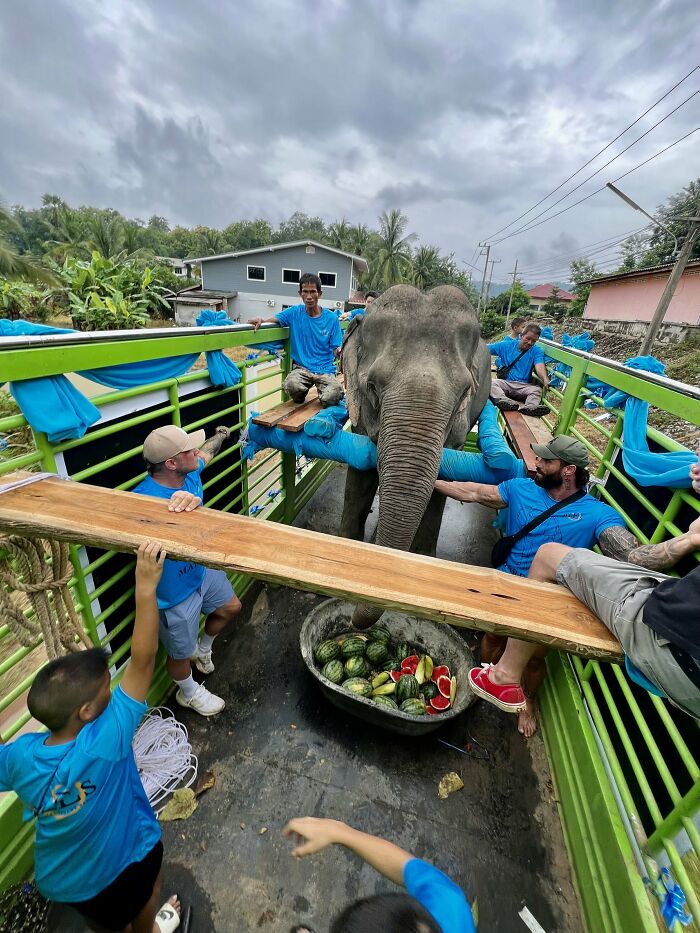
(409, 450)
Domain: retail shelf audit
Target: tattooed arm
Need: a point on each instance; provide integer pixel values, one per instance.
(619, 543)
(211, 447)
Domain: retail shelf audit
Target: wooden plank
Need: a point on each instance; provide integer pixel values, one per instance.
(521, 437)
(272, 417)
(297, 420)
(471, 597)
(539, 430)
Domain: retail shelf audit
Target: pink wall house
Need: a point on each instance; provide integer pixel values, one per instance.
(633, 296)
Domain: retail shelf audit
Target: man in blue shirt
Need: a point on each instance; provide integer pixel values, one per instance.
(514, 384)
(349, 315)
(315, 338)
(561, 472)
(98, 842)
(433, 903)
(175, 460)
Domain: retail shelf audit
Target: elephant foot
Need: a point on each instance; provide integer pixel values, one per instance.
(364, 617)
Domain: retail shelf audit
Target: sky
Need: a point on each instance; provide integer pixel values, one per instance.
(462, 115)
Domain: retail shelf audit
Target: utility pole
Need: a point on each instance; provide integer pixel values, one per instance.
(488, 288)
(512, 289)
(483, 278)
(673, 280)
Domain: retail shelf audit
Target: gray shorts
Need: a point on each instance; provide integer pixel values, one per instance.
(616, 592)
(179, 625)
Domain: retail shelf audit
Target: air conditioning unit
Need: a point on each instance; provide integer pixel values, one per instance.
(271, 302)
(339, 304)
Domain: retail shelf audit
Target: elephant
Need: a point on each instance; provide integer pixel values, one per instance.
(417, 375)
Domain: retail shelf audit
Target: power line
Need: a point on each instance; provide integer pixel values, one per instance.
(584, 251)
(609, 162)
(597, 191)
(600, 152)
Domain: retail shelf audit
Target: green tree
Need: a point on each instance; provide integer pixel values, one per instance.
(580, 271)
(358, 239)
(67, 235)
(394, 254)
(301, 227)
(425, 267)
(209, 241)
(16, 265)
(553, 306)
(105, 233)
(657, 246)
(521, 300)
(339, 234)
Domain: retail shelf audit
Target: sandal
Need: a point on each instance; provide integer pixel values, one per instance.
(167, 919)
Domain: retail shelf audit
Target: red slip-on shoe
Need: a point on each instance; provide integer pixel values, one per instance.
(508, 697)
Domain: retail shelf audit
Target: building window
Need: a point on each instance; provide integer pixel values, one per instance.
(327, 279)
(291, 276)
(256, 273)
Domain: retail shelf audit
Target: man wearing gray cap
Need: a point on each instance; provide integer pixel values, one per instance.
(555, 506)
(175, 461)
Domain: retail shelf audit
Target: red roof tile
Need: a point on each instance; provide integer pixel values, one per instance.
(544, 291)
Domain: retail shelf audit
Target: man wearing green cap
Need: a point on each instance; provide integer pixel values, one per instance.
(561, 473)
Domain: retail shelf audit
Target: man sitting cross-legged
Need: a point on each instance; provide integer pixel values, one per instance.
(561, 472)
(654, 616)
(516, 360)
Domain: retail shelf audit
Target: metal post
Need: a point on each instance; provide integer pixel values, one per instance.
(488, 287)
(512, 289)
(483, 278)
(673, 280)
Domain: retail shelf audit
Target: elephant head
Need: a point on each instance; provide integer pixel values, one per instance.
(417, 377)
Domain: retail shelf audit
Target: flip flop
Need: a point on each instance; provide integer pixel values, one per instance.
(167, 918)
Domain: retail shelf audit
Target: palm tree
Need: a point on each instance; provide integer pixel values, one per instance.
(425, 266)
(105, 234)
(67, 235)
(209, 241)
(16, 265)
(394, 255)
(358, 239)
(338, 234)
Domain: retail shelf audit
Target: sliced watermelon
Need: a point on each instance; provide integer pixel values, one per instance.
(453, 690)
(410, 663)
(430, 711)
(395, 675)
(440, 670)
(444, 685)
(440, 704)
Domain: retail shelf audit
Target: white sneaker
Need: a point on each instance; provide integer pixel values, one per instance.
(202, 661)
(201, 701)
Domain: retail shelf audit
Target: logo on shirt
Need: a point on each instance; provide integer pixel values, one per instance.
(67, 801)
(572, 516)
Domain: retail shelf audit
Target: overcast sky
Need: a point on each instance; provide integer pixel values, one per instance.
(462, 114)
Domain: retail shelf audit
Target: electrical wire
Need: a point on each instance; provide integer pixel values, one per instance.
(593, 158)
(163, 756)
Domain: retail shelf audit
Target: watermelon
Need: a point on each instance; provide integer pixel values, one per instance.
(376, 653)
(440, 703)
(380, 634)
(428, 667)
(429, 690)
(406, 688)
(395, 675)
(385, 701)
(327, 651)
(380, 679)
(413, 706)
(420, 671)
(444, 685)
(334, 671)
(440, 670)
(410, 665)
(391, 664)
(356, 666)
(353, 647)
(403, 650)
(358, 686)
(430, 711)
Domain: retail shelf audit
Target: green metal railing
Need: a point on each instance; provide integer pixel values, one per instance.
(624, 761)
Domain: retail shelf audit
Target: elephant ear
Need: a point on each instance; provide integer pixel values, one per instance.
(349, 364)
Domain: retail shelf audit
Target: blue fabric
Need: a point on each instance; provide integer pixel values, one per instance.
(669, 468)
(53, 405)
(180, 578)
(312, 339)
(636, 675)
(355, 312)
(439, 895)
(95, 818)
(579, 524)
(673, 901)
(492, 444)
(507, 351)
(499, 362)
(327, 422)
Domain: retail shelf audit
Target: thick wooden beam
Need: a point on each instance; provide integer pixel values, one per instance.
(471, 597)
(523, 431)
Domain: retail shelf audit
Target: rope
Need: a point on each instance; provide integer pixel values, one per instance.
(41, 569)
(163, 756)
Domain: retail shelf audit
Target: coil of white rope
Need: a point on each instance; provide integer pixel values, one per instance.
(163, 756)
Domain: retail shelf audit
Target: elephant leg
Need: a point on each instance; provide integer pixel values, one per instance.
(360, 490)
(425, 540)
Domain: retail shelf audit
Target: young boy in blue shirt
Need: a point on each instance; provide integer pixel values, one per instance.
(315, 338)
(432, 904)
(98, 842)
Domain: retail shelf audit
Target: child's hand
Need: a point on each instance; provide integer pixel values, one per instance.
(149, 564)
(182, 501)
(312, 834)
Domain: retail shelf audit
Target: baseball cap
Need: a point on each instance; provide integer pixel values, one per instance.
(169, 441)
(563, 448)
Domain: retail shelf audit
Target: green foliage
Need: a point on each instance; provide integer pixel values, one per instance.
(393, 262)
(657, 246)
(581, 270)
(491, 324)
(21, 300)
(553, 306)
(521, 300)
(113, 312)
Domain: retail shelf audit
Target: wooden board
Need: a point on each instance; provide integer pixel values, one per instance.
(471, 597)
(274, 416)
(296, 421)
(523, 431)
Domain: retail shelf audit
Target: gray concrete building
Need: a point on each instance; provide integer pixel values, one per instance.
(266, 280)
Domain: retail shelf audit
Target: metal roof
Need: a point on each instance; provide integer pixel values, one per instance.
(273, 247)
(545, 291)
(693, 265)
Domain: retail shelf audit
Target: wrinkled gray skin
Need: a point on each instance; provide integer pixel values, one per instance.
(417, 376)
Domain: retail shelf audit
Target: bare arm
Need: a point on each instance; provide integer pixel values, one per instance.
(257, 321)
(541, 371)
(621, 544)
(144, 640)
(472, 492)
(212, 446)
(315, 834)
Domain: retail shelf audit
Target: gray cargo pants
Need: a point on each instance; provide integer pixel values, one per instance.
(524, 392)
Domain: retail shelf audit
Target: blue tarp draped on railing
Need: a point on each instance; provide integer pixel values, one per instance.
(52, 404)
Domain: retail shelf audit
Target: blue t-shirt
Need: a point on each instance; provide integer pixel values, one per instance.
(94, 816)
(507, 351)
(579, 524)
(313, 339)
(180, 578)
(440, 896)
